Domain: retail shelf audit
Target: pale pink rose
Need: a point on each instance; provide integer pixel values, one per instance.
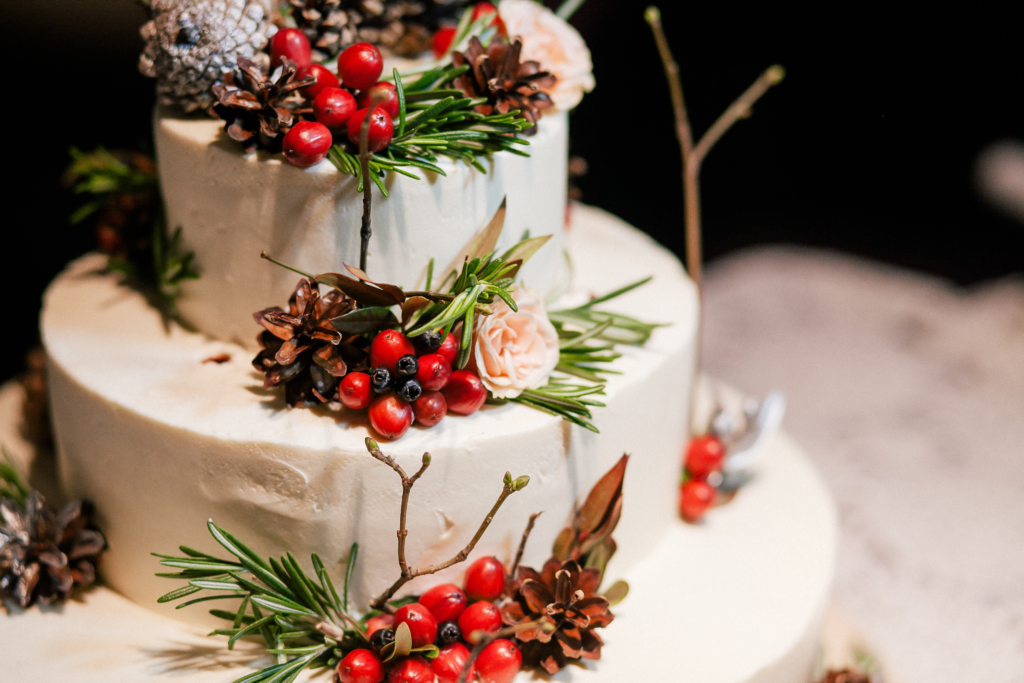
(515, 350)
(556, 45)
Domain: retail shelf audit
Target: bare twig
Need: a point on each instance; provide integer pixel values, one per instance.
(510, 486)
(489, 638)
(694, 155)
(522, 542)
(365, 231)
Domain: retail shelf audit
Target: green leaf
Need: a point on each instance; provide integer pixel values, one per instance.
(349, 568)
(401, 103)
(248, 630)
(235, 547)
(365, 320)
(284, 606)
(178, 593)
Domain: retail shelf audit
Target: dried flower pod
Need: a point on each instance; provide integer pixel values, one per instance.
(44, 554)
(497, 74)
(564, 596)
(301, 349)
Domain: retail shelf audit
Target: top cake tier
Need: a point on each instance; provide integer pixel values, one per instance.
(232, 206)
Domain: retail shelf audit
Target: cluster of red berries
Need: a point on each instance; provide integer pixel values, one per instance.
(340, 102)
(450, 618)
(704, 457)
(409, 381)
(444, 36)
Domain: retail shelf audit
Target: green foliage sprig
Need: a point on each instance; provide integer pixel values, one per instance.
(123, 190)
(434, 121)
(11, 484)
(303, 622)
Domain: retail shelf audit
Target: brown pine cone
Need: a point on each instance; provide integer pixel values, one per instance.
(497, 74)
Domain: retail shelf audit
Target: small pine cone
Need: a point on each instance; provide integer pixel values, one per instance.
(191, 44)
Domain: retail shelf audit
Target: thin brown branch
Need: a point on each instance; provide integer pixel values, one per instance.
(522, 543)
(489, 638)
(407, 574)
(691, 193)
(365, 231)
(740, 109)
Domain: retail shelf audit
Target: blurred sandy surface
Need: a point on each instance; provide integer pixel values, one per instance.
(909, 394)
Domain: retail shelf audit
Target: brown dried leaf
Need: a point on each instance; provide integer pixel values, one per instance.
(394, 290)
(602, 499)
(365, 294)
(481, 243)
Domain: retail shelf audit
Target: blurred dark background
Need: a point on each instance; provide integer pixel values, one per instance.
(867, 146)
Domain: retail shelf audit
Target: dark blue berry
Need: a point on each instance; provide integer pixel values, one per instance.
(407, 366)
(409, 389)
(381, 637)
(381, 380)
(448, 632)
(428, 341)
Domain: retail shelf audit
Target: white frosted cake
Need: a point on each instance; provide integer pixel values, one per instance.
(166, 424)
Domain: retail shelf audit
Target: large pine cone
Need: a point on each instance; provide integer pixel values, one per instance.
(190, 44)
(401, 27)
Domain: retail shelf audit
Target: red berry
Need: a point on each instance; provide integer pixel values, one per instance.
(704, 456)
(482, 8)
(421, 622)
(443, 41)
(499, 662)
(355, 391)
(480, 616)
(388, 97)
(360, 666)
(485, 579)
(381, 129)
(390, 416)
(360, 66)
(695, 497)
(446, 602)
(387, 347)
(449, 662)
(464, 392)
(434, 372)
(333, 107)
(306, 144)
(412, 670)
(324, 79)
(291, 43)
(378, 622)
(449, 348)
(430, 408)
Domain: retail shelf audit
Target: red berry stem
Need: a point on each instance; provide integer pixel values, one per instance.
(510, 486)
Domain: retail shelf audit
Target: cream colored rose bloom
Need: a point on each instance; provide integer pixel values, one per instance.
(515, 350)
(556, 45)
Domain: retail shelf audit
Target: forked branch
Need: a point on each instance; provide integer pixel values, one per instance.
(694, 154)
(407, 574)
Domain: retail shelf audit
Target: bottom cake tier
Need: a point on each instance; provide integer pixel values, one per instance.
(737, 599)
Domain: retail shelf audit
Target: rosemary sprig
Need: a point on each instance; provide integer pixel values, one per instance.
(303, 622)
(435, 121)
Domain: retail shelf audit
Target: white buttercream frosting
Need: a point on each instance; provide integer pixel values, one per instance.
(231, 207)
(162, 441)
(746, 590)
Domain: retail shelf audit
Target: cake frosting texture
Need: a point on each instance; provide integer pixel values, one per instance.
(230, 207)
(163, 441)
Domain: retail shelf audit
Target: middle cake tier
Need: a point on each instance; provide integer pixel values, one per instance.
(163, 441)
